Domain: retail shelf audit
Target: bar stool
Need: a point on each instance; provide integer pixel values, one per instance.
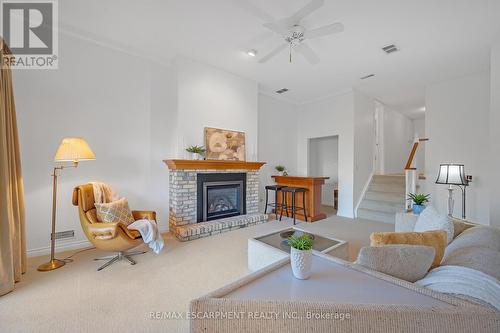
(293, 207)
(275, 204)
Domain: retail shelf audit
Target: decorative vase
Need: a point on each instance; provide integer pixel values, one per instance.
(417, 209)
(301, 262)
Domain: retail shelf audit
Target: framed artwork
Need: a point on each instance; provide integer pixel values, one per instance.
(221, 144)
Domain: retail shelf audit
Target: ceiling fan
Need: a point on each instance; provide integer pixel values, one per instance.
(295, 35)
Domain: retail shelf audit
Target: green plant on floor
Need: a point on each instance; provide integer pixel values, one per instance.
(302, 243)
(419, 199)
(196, 150)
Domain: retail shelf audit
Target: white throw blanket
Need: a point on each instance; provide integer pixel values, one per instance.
(463, 281)
(103, 193)
(149, 232)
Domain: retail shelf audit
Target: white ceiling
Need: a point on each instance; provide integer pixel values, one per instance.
(439, 40)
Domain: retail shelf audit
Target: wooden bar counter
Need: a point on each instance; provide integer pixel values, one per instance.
(313, 195)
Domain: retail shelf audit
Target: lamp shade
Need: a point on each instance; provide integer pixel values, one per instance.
(74, 150)
(452, 174)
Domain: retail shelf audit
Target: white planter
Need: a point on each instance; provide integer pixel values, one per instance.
(301, 262)
(195, 156)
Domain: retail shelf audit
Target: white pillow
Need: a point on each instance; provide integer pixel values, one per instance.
(430, 219)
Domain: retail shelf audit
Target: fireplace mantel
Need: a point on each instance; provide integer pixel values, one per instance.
(212, 165)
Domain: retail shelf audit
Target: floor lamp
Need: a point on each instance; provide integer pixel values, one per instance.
(453, 174)
(70, 150)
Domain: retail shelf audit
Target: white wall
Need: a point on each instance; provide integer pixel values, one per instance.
(457, 122)
(329, 117)
(397, 141)
(495, 136)
(210, 97)
(364, 142)
(324, 162)
(106, 97)
(277, 139)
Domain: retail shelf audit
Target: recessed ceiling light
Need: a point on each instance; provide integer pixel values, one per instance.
(252, 52)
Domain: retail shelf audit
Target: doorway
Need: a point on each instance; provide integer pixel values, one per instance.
(323, 161)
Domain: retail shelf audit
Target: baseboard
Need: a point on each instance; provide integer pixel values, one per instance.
(67, 246)
(361, 197)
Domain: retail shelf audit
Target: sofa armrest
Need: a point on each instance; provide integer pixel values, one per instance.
(103, 231)
(144, 214)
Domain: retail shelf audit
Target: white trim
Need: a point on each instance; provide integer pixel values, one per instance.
(71, 245)
(68, 245)
(362, 196)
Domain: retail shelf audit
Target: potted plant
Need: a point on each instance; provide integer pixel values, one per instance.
(301, 255)
(196, 152)
(418, 202)
(281, 169)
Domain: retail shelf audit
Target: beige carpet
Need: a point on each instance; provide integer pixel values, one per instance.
(77, 298)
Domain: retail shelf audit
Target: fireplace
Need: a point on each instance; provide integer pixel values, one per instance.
(220, 195)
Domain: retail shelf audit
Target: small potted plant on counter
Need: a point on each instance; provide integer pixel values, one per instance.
(418, 202)
(301, 255)
(282, 170)
(196, 152)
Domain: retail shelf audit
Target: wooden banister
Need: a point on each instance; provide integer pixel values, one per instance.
(412, 156)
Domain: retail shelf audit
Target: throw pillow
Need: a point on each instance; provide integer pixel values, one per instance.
(476, 257)
(460, 226)
(436, 239)
(430, 220)
(484, 236)
(406, 262)
(116, 211)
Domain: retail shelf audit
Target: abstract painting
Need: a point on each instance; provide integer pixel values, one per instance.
(224, 144)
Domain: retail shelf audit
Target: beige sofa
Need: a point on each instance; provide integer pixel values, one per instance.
(453, 314)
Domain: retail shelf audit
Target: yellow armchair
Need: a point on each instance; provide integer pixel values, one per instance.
(113, 237)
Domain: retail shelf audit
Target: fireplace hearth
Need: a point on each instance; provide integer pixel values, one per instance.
(220, 195)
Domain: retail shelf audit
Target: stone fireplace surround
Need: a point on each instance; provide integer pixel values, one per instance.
(183, 215)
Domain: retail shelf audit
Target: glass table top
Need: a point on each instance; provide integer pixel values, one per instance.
(278, 240)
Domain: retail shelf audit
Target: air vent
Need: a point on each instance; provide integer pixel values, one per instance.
(65, 234)
(367, 76)
(281, 91)
(390, 48)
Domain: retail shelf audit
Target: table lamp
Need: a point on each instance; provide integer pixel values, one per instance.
(70, 150)
(453, 174)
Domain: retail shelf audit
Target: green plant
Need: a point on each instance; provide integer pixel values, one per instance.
(303, 242)
(280, 168)
(419, 199)
(195, 149)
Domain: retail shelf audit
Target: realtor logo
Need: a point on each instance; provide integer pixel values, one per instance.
(29, 28)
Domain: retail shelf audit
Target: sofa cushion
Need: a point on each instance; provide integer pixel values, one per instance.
(430, 219)
(116, 211)
(407, 262)
(436, 239)
(480, 258)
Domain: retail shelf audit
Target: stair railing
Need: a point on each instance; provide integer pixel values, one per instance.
(411, 173)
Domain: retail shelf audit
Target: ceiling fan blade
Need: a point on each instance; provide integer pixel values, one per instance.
(284, 24)
(273, 53)
(247, 6)
(306, 10)
(277, 27)
(308, 53)
(324, 31)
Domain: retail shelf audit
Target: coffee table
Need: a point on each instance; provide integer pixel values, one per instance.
(270, 248)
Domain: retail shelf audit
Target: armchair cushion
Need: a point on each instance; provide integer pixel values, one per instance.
(116, 211)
